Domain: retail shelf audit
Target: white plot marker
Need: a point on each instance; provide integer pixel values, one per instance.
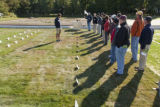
(25, 32)
(77, 57)
(20, 34)
(77, 82)
(16, 42)
(76, 68)
(8, 45)
(0, 41)
(8, 38)
(76, 104)
(27, 36)
(22, 38)
(31, 34)
(14, 36)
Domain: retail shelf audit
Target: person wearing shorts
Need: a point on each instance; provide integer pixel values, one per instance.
(58, 27)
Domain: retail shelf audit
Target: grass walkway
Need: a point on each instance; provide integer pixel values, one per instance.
(41, 73)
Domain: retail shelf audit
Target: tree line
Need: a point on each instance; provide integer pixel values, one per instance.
(76, 7)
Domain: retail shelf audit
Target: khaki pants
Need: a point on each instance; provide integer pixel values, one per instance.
(99, 29)
(58, 31)
(143, 57)
(94, 28)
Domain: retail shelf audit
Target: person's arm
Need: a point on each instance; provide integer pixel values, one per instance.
(145, 37)
(134, 28)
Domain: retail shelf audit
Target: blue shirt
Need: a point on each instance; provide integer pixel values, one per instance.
(57, 23)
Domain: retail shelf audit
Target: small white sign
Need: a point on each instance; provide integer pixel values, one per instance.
(8, 45)
(8, 38)
(76, 103)
(16, 42)
(22, 38)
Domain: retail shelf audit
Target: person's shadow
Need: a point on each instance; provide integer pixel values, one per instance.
(99, 96)
(93, 73)
(128, 92)
(156, 100)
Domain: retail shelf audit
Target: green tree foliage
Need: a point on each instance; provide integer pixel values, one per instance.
(4, 7)
(76, 7)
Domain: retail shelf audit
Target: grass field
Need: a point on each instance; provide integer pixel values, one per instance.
(38, 72)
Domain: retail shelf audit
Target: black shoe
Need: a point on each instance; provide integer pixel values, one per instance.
(118, 75)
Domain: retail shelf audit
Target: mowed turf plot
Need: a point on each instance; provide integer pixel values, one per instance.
(40, 72)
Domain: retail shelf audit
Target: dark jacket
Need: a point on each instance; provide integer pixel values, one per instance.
(100, 20)
(57, 23)
(123, 35)
(103, 22)
(89, 18)
(95, 20)
(146, 36)
(115, 34)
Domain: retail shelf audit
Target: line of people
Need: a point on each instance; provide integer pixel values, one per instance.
(118, 31)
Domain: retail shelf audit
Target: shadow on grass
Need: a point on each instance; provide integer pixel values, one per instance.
(38, 46)
(75, 31)
(99, 96)
(92, 46)
(89, 35)
(128, 92)
(156, 100)
(93, 73)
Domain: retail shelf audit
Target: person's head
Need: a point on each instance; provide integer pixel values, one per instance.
(139, 15)
(106, 17)
(95, 14)
(116, 21)
(147, 20)
(59, 15)
(122, 19)
(119, 15)
(113, 16)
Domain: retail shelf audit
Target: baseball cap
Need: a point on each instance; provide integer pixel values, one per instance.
(148, 18)
(123, 17)
(139, 13)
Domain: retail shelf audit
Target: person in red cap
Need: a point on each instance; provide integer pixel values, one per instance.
(122, 43)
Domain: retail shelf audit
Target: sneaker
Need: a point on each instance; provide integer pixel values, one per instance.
(137, 69)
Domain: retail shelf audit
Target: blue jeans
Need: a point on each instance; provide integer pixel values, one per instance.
(113, 54)
(120, 54)
(89, 26)
(134, 47)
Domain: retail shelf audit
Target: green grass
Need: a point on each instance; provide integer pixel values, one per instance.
(8, 18)
(40, 73)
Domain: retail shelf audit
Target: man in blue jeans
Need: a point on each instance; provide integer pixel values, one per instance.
(122, 43)
(89, 19)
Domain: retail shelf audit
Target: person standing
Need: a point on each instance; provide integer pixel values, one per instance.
(103, 22)
(136, 30)
(89, 19)
(145, 42)
(99, 29)
(122, 43)
(113, 36)
(58, 27)
(95, 22)
(106, 30)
